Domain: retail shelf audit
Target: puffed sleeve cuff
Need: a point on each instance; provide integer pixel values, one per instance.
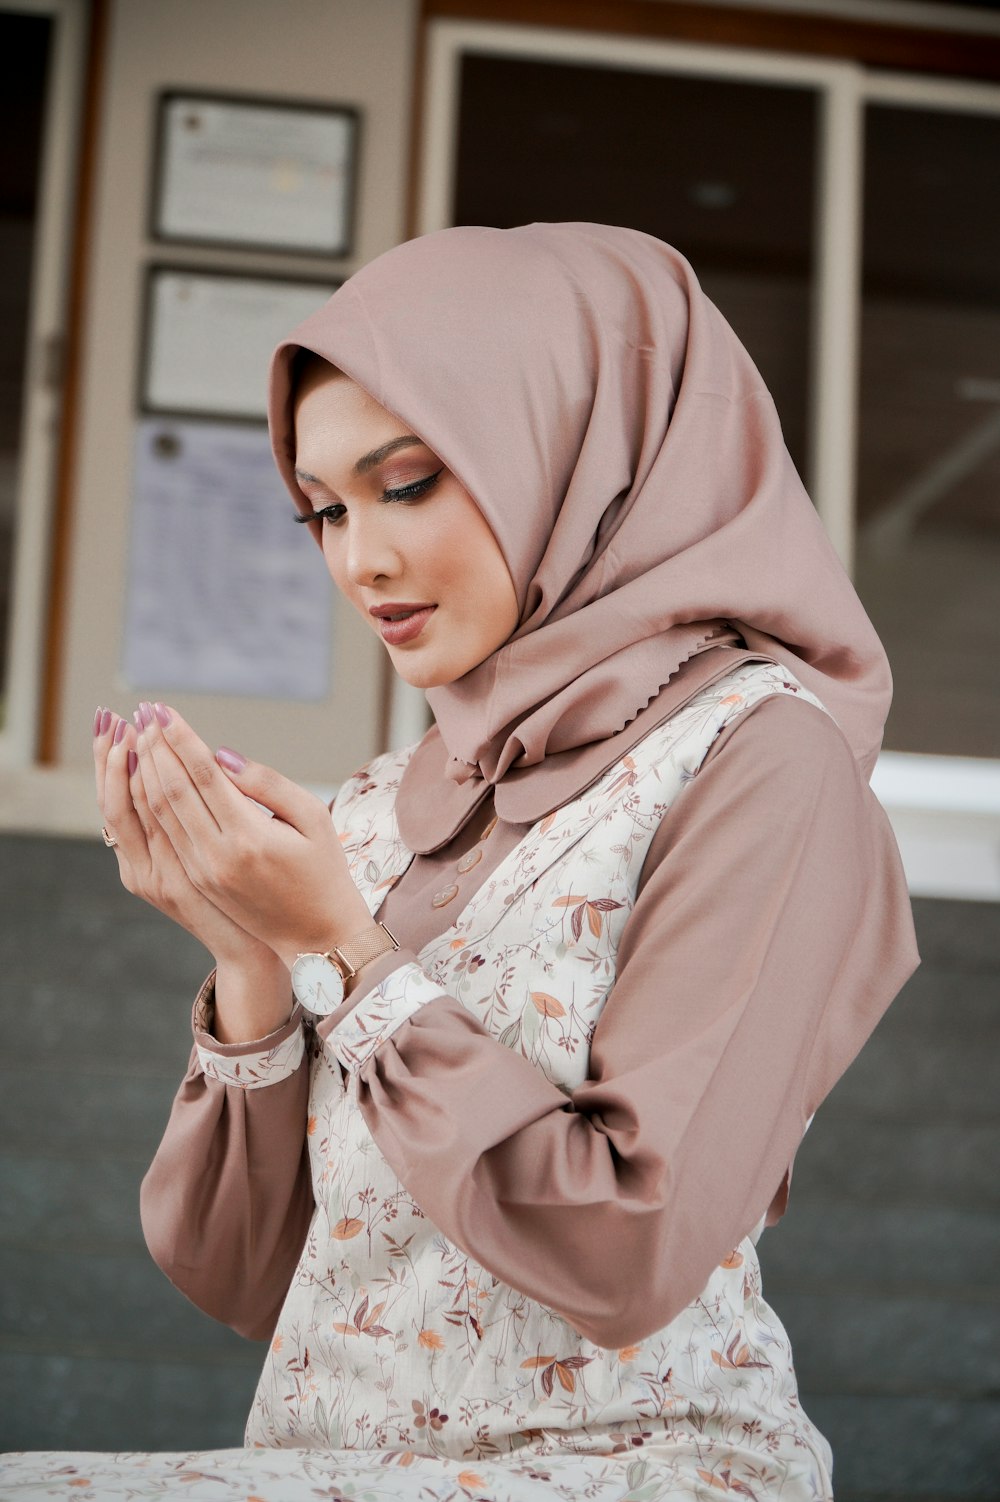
(381, 1012)
(250, 1066)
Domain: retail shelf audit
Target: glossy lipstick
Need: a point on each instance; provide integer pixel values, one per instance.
(395, 633)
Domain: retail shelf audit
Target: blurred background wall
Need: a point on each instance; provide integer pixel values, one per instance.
(830, 167)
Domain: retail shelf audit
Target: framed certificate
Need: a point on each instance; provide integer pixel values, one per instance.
(209, 336)
(269, 174)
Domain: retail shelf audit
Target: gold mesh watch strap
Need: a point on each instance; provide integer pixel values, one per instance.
(368, 946)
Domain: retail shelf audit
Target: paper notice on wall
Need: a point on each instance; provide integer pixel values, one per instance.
(225, 594)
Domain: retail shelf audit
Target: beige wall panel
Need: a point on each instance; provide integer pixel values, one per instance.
(353, 52)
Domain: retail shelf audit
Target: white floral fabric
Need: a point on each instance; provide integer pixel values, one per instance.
(389, 1476)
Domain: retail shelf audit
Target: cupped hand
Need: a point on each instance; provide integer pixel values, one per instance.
(283, 879)
(147, 860)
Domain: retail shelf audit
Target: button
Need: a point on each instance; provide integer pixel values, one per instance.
(442, 898)
(470, 858)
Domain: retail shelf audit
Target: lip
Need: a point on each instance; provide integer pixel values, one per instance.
(395, 633)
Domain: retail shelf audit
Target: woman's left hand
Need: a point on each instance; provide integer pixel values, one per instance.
(285, 880)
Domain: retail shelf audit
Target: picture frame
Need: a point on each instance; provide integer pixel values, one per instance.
(247, 172)
(209, 335)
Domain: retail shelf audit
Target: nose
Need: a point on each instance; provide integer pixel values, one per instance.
(370, 553)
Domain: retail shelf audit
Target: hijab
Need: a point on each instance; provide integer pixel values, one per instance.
(628, 458)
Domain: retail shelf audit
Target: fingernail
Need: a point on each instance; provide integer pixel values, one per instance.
(162, 713)
(145, 713)
(97, 721)
(231, 760)
(136, 720)
(133, 762)
(120, 729)
(105, 722)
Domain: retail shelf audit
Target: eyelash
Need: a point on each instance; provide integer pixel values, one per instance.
(404, 494)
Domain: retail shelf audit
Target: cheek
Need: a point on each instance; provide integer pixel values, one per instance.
(333, 557)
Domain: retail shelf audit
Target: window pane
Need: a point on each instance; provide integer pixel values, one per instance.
(928, 545)
(721, 170)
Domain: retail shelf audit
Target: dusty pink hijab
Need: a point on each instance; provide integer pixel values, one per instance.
(629, 460)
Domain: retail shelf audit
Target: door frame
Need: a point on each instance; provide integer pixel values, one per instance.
(42, 414)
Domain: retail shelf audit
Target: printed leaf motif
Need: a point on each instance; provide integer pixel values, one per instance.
(547, 1005)
(346, 1228)
(736, 1356)
(735, 1259)
(568, 901)
(565, 1370)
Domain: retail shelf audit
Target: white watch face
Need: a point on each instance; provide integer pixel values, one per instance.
(317, 984)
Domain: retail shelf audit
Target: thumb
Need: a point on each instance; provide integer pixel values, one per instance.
(272, 792)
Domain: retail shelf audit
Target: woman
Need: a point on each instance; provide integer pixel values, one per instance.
(580, 967)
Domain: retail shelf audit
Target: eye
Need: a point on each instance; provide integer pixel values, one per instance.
(328, 514)
(413, 491)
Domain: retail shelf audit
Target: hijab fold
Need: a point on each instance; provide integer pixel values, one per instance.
(625, 452)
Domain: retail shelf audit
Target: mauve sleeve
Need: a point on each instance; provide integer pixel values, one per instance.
(771, 931)
(227, 1201)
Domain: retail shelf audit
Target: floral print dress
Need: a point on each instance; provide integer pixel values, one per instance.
(400, 1367)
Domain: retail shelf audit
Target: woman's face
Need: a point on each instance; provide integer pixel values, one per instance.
(403, 540)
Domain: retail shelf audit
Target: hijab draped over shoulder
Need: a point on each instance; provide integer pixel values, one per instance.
(627, 455)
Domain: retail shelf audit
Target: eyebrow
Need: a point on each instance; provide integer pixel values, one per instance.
(368, 461)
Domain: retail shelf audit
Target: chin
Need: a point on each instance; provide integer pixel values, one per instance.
(425, 676)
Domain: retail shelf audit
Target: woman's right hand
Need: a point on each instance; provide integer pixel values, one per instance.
(252, 991)
(147, 862)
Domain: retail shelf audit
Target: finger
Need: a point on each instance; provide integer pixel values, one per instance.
(288, 801)
(205, 799)
(173, 798)
(104, 727)
(123, 819)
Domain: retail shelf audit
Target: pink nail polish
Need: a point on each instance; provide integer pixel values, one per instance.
(136, 721)
(97, 721)
(145, 713)
(231, 760)
(162, 713)
(120, 729)
(133, 762)
(106, 718)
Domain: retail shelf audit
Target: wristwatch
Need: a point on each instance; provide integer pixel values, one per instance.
(318, 980)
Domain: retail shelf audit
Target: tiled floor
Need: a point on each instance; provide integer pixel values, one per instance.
(886, 1270)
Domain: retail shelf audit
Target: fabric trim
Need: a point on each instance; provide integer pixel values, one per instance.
(260, 1061)
(257, 1066)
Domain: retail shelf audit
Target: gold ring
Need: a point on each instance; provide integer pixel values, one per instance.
(109, 839)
